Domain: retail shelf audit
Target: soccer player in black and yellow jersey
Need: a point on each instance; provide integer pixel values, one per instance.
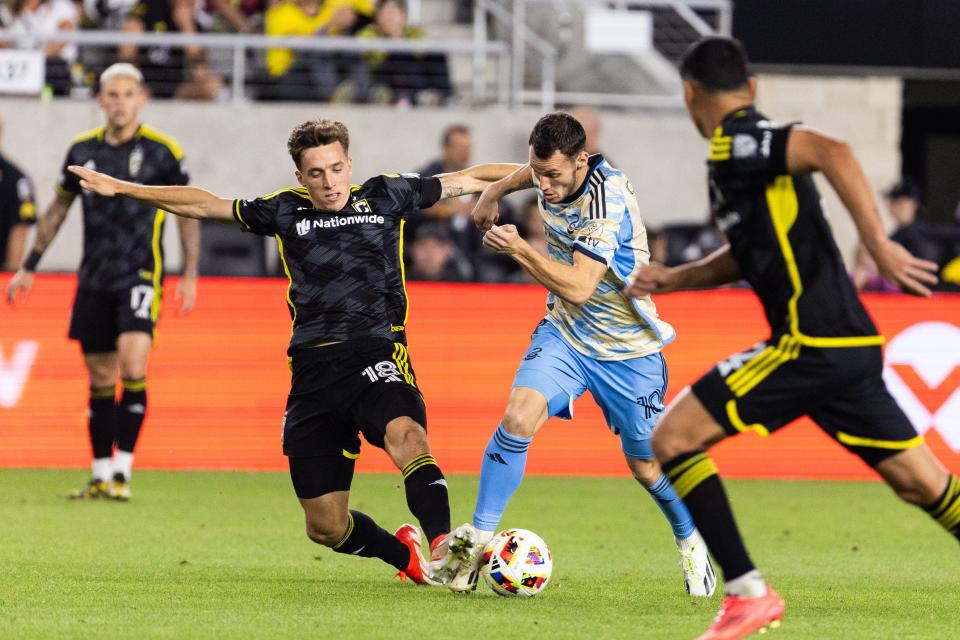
(121, 274)
(823, 358)
(341, 247)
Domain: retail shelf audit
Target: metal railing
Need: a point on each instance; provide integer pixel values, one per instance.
(515, 16)
(239, 44)
(497, 68)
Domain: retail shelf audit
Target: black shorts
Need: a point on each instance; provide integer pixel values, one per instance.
(841, 389)
(345, 389)
(99, 317)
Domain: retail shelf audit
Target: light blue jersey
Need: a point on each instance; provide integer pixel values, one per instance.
(602, 220)
(609, 346)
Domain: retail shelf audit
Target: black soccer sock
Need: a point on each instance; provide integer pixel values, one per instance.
(100, 422)
(946, 510)
(694, 476)
(366, 539)
(427, 496)
(130, 413)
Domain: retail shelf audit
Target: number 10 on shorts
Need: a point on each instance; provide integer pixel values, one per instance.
(385, 370)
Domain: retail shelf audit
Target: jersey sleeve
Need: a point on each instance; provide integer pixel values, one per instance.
(411, 192)
(26, 201)
(758, 152)
(257, 216)
(598, 237)
(176, 173)
(68, 184)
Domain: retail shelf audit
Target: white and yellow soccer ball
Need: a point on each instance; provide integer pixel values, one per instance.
(516, 563)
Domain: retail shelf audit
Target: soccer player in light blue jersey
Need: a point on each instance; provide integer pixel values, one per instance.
(593, 336)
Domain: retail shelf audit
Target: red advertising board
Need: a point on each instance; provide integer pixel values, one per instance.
(218, 380)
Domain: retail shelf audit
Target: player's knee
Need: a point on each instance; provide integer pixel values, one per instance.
(324, 532)
(666, 445)
(647, 472)
(133, 372)
(915, 491)
(405, 434)
(517, 422)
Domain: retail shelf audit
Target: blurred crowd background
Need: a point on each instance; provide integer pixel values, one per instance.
(441, 242)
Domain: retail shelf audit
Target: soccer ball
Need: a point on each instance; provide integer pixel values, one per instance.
(516, 563)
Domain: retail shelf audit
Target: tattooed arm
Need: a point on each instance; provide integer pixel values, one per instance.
(474, 179)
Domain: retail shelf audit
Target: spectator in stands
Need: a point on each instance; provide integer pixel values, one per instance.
(456, 144)
(239, 16)
(163, 67)
(436, 258)
(453, 215)
(18, 210)
(402, 78)
(202, 84)
(107, 15)
(937, 243)
(310, 75)
(31, 20)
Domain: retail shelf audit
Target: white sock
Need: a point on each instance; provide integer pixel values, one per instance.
(101, 469)
(123, 463)
(693, 540)
(749, 585)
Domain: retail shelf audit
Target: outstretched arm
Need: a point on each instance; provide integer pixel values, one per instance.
(473, 179)
(189, 202)
(573, 283)
(718, 268)
(809, 151)
(47, 228)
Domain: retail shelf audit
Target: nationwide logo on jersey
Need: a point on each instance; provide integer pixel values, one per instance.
(922, 372)
(135, 163)
(306, 224)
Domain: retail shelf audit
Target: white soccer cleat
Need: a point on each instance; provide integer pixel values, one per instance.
(466, 545)
(698, 572)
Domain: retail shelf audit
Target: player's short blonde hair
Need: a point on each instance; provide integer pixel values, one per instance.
(121, 70)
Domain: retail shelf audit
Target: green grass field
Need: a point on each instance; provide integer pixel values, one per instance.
(223, 555)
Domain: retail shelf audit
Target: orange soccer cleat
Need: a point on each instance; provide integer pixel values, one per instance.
(417, 569)
(739, 617)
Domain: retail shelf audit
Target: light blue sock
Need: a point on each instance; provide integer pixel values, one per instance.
(672, 506)
(500, 475)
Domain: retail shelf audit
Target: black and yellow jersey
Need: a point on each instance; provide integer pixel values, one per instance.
(780, 238)
(122, 236)
(17, 202)
(345, 267)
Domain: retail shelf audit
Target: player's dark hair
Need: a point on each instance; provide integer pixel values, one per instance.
(453, 130)
(380, 4)
(317, 133)
(716, 63)
(557, 131)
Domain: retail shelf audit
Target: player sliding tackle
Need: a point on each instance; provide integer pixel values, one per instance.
(341, 247)
(593, 337)
(823, 358)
